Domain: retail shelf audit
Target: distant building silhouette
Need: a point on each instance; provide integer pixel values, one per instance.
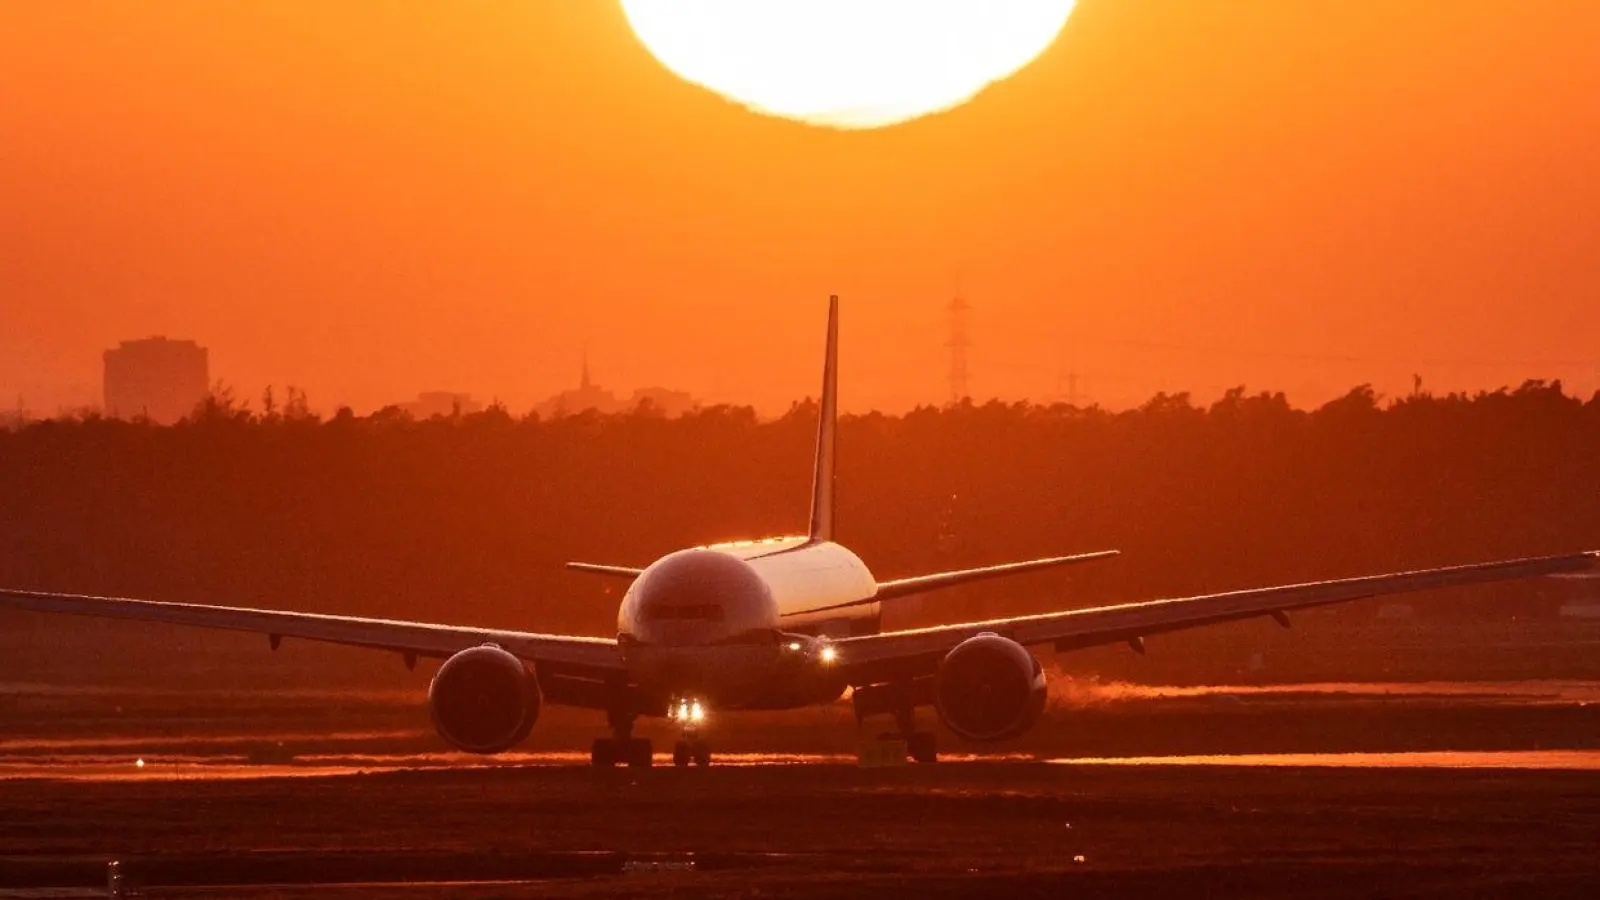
(156, 378)
(663, 401)
(590, 396)
(586, 396)
(440, 403)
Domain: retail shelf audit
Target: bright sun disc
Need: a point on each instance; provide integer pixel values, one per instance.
(846, 63)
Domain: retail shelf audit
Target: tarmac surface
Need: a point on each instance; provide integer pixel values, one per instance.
(817, 830)
(1316, 789)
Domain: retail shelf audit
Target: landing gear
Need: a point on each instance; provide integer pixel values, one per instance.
(622, 748)
(921, 746)
(691, 750)
(899, 699)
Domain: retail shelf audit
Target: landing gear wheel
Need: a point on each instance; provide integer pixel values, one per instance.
(681, 754)
(922, 747)
(701, 753)
(603, 753)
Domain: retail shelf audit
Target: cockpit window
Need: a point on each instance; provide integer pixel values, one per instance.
(697, 612)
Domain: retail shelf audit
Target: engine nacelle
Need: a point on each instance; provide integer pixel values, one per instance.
(989, 688)
(484, 700)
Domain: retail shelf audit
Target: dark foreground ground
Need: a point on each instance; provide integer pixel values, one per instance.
(959, 830)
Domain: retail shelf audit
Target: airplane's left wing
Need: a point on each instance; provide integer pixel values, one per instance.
(581, 656)
(610, 571)
(901, 654)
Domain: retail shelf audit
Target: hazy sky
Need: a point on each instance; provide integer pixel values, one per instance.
(369, 199)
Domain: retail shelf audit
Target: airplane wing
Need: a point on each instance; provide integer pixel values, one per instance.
(901, 654)
(611, 571)
(579, 656)
(903, 587)
(921, 584)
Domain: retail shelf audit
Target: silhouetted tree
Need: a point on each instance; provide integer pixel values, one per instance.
(470, 516)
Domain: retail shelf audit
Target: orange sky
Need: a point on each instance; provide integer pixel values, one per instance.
(369, 199)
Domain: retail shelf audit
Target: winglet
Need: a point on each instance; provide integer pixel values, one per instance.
(827, 424)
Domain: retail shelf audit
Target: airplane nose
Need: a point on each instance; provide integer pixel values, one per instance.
(697, 597)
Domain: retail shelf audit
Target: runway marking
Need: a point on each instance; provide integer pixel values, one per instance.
(1569, 760)
(237, 769)
(1070, 691)
(319, 888)
(13, 745)
(342, 695)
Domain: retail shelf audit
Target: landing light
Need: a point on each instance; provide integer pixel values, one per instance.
(829, 654)
(794, 645)
(686, 711)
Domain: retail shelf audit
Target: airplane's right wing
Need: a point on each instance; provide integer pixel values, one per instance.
(921, 584)
(905, 587)
(902, 654)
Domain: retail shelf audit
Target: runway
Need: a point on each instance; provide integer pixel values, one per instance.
(120, 735)
(181, 768)
(1356, 790)
(818, 830)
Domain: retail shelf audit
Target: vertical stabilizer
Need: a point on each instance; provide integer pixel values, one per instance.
(827, 426)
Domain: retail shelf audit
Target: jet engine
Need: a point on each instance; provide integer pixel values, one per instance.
(989, 688)
(484, 700)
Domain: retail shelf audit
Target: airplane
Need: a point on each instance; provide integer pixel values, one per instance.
(772, 624)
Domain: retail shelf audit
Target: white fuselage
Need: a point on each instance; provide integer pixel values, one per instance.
(726, 624)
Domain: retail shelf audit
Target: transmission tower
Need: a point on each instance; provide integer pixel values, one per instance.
(957, 345)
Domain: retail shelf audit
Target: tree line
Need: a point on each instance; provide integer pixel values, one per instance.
(468, 518)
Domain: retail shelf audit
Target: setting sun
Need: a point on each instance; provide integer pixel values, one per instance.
(846, 63)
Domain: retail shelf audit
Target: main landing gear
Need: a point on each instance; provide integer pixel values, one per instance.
(622, 748)
(899, 699)
(892, 748)
(921, 746)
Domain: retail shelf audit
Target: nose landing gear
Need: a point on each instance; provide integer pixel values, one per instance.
(689, 714)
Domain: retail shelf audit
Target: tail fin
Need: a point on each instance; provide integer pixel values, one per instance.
(827, 423)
